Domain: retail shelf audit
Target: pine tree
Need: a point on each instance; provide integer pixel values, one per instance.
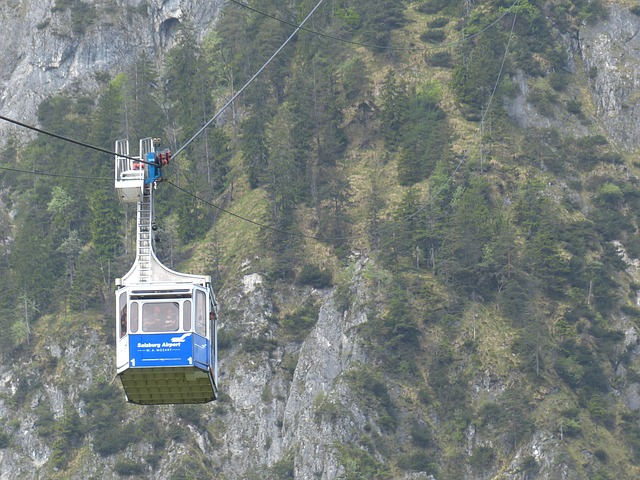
(424, 137)
(187, 88)
(220, 153)
(468, 231)
(379, 19)
(254, 147)
(474, 77)
(284, 183)
(110, 117)
(144, 116)
(393, 106)
(194, 218)
(375, 204)
(36, 265)
(106, 234)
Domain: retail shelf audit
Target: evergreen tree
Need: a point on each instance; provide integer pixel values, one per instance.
(500, 256)
(378, 20)
(474, 77)
(110, 117)
(355, 79)
(334, 220)
(254, 142)
(61, 208)
(468, 231)
(254, 146)
(544, 260)
(414, 124)
(409, 226)
(218, 169)
(375, 204)
(300, 106)
(317, 120)
(425, 139)
(187, 88)
(270, 35)
(106, 234)
(88, 287)
(144, 116)
(36, 265)
(392, 113)
(105, 214)
(285, 186)
(68, 436)
(235, 37)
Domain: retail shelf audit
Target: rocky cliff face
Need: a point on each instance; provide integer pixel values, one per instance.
(51, 46)
(275, 395)
(610, 54)
(283, 407)
(288, 408)
(607, 54)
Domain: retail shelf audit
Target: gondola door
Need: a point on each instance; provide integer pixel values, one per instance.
(122, 331)
(200, 338)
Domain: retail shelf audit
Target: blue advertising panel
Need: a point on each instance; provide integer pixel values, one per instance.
(161, 350)
(201, 350)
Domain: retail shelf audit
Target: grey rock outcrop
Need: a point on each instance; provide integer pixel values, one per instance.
(274, 416)
(48, 49)
(610, 52)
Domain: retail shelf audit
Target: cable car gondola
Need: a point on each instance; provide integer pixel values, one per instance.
(166, 321)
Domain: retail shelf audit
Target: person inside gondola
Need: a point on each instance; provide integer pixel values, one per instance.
(170, 319)
(153, 322)
(123, 322)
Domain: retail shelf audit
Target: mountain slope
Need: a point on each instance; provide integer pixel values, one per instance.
(443, 284)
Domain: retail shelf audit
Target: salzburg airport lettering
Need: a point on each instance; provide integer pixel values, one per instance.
(159, 345)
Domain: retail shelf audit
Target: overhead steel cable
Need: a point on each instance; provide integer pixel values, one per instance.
(504, 59)
(70, 140)
(244, 87)
(240, 217)
(48, 174)
(319, 237)
(268, 227)
(495, 86)
(380, 47)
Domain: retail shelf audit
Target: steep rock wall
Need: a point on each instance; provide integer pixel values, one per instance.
(48, 49)
(610, 52)
(268, 413)
(274, 409)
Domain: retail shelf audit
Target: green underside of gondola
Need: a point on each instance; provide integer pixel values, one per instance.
(167, 385)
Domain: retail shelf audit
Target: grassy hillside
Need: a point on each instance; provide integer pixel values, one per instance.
(501, 314)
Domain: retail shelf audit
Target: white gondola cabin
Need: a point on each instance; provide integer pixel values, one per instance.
(166, 321)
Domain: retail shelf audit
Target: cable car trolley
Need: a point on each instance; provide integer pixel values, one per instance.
(166, 321)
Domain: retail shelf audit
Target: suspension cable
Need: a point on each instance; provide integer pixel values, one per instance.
(226, 105)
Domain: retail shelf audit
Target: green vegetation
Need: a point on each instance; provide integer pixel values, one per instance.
(126, 467)
(494, 299)
(5, 440)
(82, 14)
(283, 469)
(370, 389)
(360, 464)
(313, 276)
(433, 36)
(298, 323)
